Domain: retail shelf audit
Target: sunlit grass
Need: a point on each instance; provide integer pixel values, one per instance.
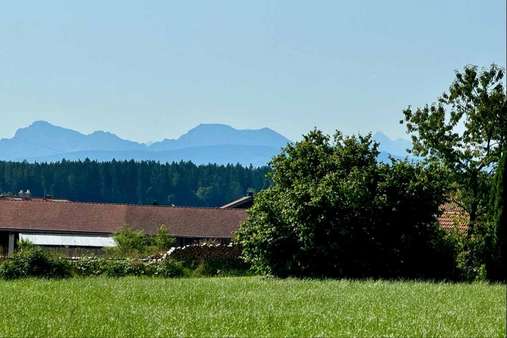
(249, 306)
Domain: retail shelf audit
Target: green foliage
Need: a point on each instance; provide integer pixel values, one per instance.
(221, 267)
(497, 269)
(182, 183)
(117, 268)
(211, 259)
(473, 249)
(129, 267)
(100, 266)
(34, 262)
(466, 130)
(135, 243)
(90, 266)
(130, 242)
(334, 211)
(171, 268)
(163, 240)
(25, 245)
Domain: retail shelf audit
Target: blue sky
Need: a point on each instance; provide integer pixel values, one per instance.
(153, 69)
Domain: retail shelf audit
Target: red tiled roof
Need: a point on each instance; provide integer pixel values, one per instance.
(51, 216)
(40, 215)
(453, 217)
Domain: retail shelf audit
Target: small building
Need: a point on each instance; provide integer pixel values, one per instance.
(75, 225)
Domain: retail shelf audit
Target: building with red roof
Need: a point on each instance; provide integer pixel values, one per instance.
(71, 224)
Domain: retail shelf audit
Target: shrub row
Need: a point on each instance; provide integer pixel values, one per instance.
(35, 262)
(38, 263)
(198, 260)
(98, 266)
(210, 259)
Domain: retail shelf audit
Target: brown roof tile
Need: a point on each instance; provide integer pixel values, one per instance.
(40, 215)
(53, 216)
(453, 217)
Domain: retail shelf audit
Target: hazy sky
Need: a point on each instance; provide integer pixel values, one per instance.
(153, 69)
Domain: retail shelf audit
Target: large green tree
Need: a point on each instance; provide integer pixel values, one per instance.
(333, 210)
(465, 129)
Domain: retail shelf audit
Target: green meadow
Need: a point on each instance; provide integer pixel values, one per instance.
(249, 306)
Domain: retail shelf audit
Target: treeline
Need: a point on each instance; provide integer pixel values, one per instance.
(182, 184)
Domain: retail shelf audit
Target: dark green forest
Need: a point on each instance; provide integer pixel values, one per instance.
(181, 184)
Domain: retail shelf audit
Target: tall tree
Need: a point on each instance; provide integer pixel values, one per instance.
(465, 129)
(497, 269)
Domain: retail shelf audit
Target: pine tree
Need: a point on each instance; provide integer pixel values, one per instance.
(182, 183)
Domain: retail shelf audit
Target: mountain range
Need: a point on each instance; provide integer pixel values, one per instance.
(206, 143)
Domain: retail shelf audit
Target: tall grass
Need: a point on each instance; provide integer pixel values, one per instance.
(249, 306)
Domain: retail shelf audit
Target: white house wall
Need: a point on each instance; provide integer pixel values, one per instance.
(69, 240)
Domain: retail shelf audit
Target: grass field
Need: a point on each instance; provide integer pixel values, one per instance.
(249, 306)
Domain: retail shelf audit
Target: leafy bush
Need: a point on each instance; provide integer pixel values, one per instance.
(334, 211)
(95, 266)
(171, 268)
(89, 266)
(197, 260)
(135, 243)
(130, 242)
(211, 259)
(163, 240)
(34, 262)
(11, 270)
(220, 267)
(117, 268)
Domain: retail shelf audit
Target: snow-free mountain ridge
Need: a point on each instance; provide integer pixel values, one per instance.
(206, 143)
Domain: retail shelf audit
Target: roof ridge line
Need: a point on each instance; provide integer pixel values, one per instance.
(40, 200)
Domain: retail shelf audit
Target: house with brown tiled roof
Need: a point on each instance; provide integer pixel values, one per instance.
(91, 225)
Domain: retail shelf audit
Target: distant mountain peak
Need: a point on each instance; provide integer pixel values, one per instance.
(42, 129)
(396, 147)
(380, 136)
(223, 126)
(206, 127)
(103, 133)
(41, 123)
(217, 134)
(212, 125)
(205, 143)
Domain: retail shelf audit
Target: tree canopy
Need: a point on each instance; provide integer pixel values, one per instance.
(465, 129)
(333, 210)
